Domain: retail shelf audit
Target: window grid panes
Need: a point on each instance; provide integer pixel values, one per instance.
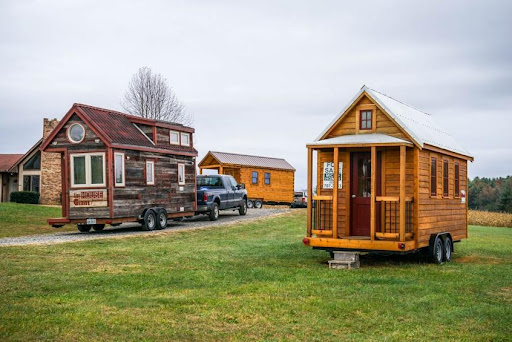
(255, 177)
(267, 178)
(88, 169)
(366, 119)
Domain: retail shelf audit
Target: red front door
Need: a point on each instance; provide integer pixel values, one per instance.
(360, 195)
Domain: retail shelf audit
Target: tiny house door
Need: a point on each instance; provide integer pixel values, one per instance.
(360, 192)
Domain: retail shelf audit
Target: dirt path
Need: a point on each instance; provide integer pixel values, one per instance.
(133, 229)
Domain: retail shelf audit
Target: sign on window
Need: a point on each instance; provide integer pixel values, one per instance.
(328, 178)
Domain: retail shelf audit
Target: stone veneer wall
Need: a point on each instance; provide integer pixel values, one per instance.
(51, 181)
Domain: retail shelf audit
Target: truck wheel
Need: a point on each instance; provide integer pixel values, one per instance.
(149, 220)
(84, 228)
(161, 219)
(243, 208)
(214, 213)
(250, 204)
(437, 251)
(98, 227)
(258, 204)
(447, 249)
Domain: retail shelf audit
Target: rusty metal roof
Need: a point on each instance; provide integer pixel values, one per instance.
(8, 160)
(247, 160)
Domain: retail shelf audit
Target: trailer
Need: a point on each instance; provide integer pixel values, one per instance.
(119, 168)
(389, 179)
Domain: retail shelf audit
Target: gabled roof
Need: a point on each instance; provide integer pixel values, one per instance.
(29, 152)
(248, 160)
(420, 126)
(7, 161)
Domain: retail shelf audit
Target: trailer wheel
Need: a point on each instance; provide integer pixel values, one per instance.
(214, 213)
(98, 227)
(243, 208)
(84, 228)
(250, 204)
(437, 251)
(161, 219)
(447, 248)
(149, 220)
(258, 204)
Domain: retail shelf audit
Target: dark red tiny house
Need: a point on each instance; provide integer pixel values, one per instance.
(122, 168)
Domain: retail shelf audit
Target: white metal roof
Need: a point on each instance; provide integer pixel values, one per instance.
(372, 138)
(419, 125)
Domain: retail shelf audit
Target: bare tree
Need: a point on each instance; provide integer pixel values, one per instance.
(150, 96)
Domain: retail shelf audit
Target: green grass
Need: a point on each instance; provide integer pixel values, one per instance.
(252, 282)
(28, 219)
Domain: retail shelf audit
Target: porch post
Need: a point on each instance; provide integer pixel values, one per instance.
(310, 190)
(221, 170)
(200, 170)
(373, 192)
(402, 193)
(335, 194)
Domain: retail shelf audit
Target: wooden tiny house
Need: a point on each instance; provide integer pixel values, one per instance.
(402, 181)
(118, 167)
(266, 179)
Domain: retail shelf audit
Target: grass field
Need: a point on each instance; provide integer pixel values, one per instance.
(252, 282)
(28, 219)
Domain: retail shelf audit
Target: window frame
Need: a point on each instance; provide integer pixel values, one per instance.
(446, 181)
(434, 160)
(170, 139)
(68, 131)
(152, 162)
(88, 173)
(123, 183)
(181, 166)
(265, 178)
(181, 139)
(370, 120)
(31, 182)
(456, 181)
(257, 177)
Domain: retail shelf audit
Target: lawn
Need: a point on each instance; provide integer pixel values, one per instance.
(28, 219)
(252, 282)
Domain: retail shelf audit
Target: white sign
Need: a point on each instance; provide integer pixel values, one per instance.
(463, 196)
(328, 178)
(88, 198)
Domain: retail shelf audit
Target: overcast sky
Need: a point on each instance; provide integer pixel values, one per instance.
(264, 77)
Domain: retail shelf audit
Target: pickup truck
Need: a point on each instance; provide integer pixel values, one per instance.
(219, 192)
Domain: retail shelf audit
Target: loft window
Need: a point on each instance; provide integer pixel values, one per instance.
(33, 163)
(88, 169)
(185, 139)
(174, 138)
(181, 174)
(433, 177)
(119, 168)
(365, 119)
(267, 178)
(457, 189)
(255, 177)
(150, 172)
(445, 178)
(76, 133)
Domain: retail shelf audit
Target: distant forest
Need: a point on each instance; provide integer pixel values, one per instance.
(491, 194)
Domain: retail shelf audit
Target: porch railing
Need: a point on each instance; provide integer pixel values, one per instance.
(389, 227)
(322, 215)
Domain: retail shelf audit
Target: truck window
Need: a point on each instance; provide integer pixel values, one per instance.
(209, 182)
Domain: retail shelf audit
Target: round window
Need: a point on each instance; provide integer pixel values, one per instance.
(76, 133)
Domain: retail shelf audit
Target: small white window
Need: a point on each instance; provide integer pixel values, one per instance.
(87, 170)
(181, 174)
(174, 138)
(185, 139)
(119, 169)
(150, 172)
(76, 133)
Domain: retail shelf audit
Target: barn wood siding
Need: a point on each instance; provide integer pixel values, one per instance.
(87, 144)
(281, 184)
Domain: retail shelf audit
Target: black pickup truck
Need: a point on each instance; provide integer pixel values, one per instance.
(219, 192)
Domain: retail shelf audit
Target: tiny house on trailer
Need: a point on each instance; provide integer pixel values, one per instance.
(267, 180)
(122, 168)
(400, 183)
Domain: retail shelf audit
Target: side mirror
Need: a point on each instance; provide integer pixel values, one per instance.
(241, 186)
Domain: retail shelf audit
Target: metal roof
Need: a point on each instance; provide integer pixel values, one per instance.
(247, 160)
(8, 160)
(372, 138)
(419, 125)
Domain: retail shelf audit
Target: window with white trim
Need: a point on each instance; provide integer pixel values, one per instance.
(150, 172)
(181, 174)
(119, 169)
(174, 137)
(185, 139)
(87, 169)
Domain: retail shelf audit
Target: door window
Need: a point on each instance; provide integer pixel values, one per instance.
(364, 177)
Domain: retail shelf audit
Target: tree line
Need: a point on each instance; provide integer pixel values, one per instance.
(490, 194)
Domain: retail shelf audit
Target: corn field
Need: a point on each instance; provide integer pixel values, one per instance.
(487, 218)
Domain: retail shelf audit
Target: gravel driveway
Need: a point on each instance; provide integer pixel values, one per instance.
(133, 229)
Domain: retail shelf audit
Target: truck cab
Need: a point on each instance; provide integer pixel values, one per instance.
(219, 192)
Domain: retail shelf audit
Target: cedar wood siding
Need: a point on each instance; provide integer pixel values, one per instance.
(281, 184)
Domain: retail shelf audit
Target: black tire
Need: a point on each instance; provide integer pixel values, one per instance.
(98, 227)
(447, 249)
(161, 219)
(214, 213)
(243, 208)
(84, 228)
(149, 222)
(258, 204)
(437, 249)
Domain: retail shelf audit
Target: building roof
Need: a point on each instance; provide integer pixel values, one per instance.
(420, 126)
(24, 156)
(8, 160)
(248, 160)
(372, 138)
